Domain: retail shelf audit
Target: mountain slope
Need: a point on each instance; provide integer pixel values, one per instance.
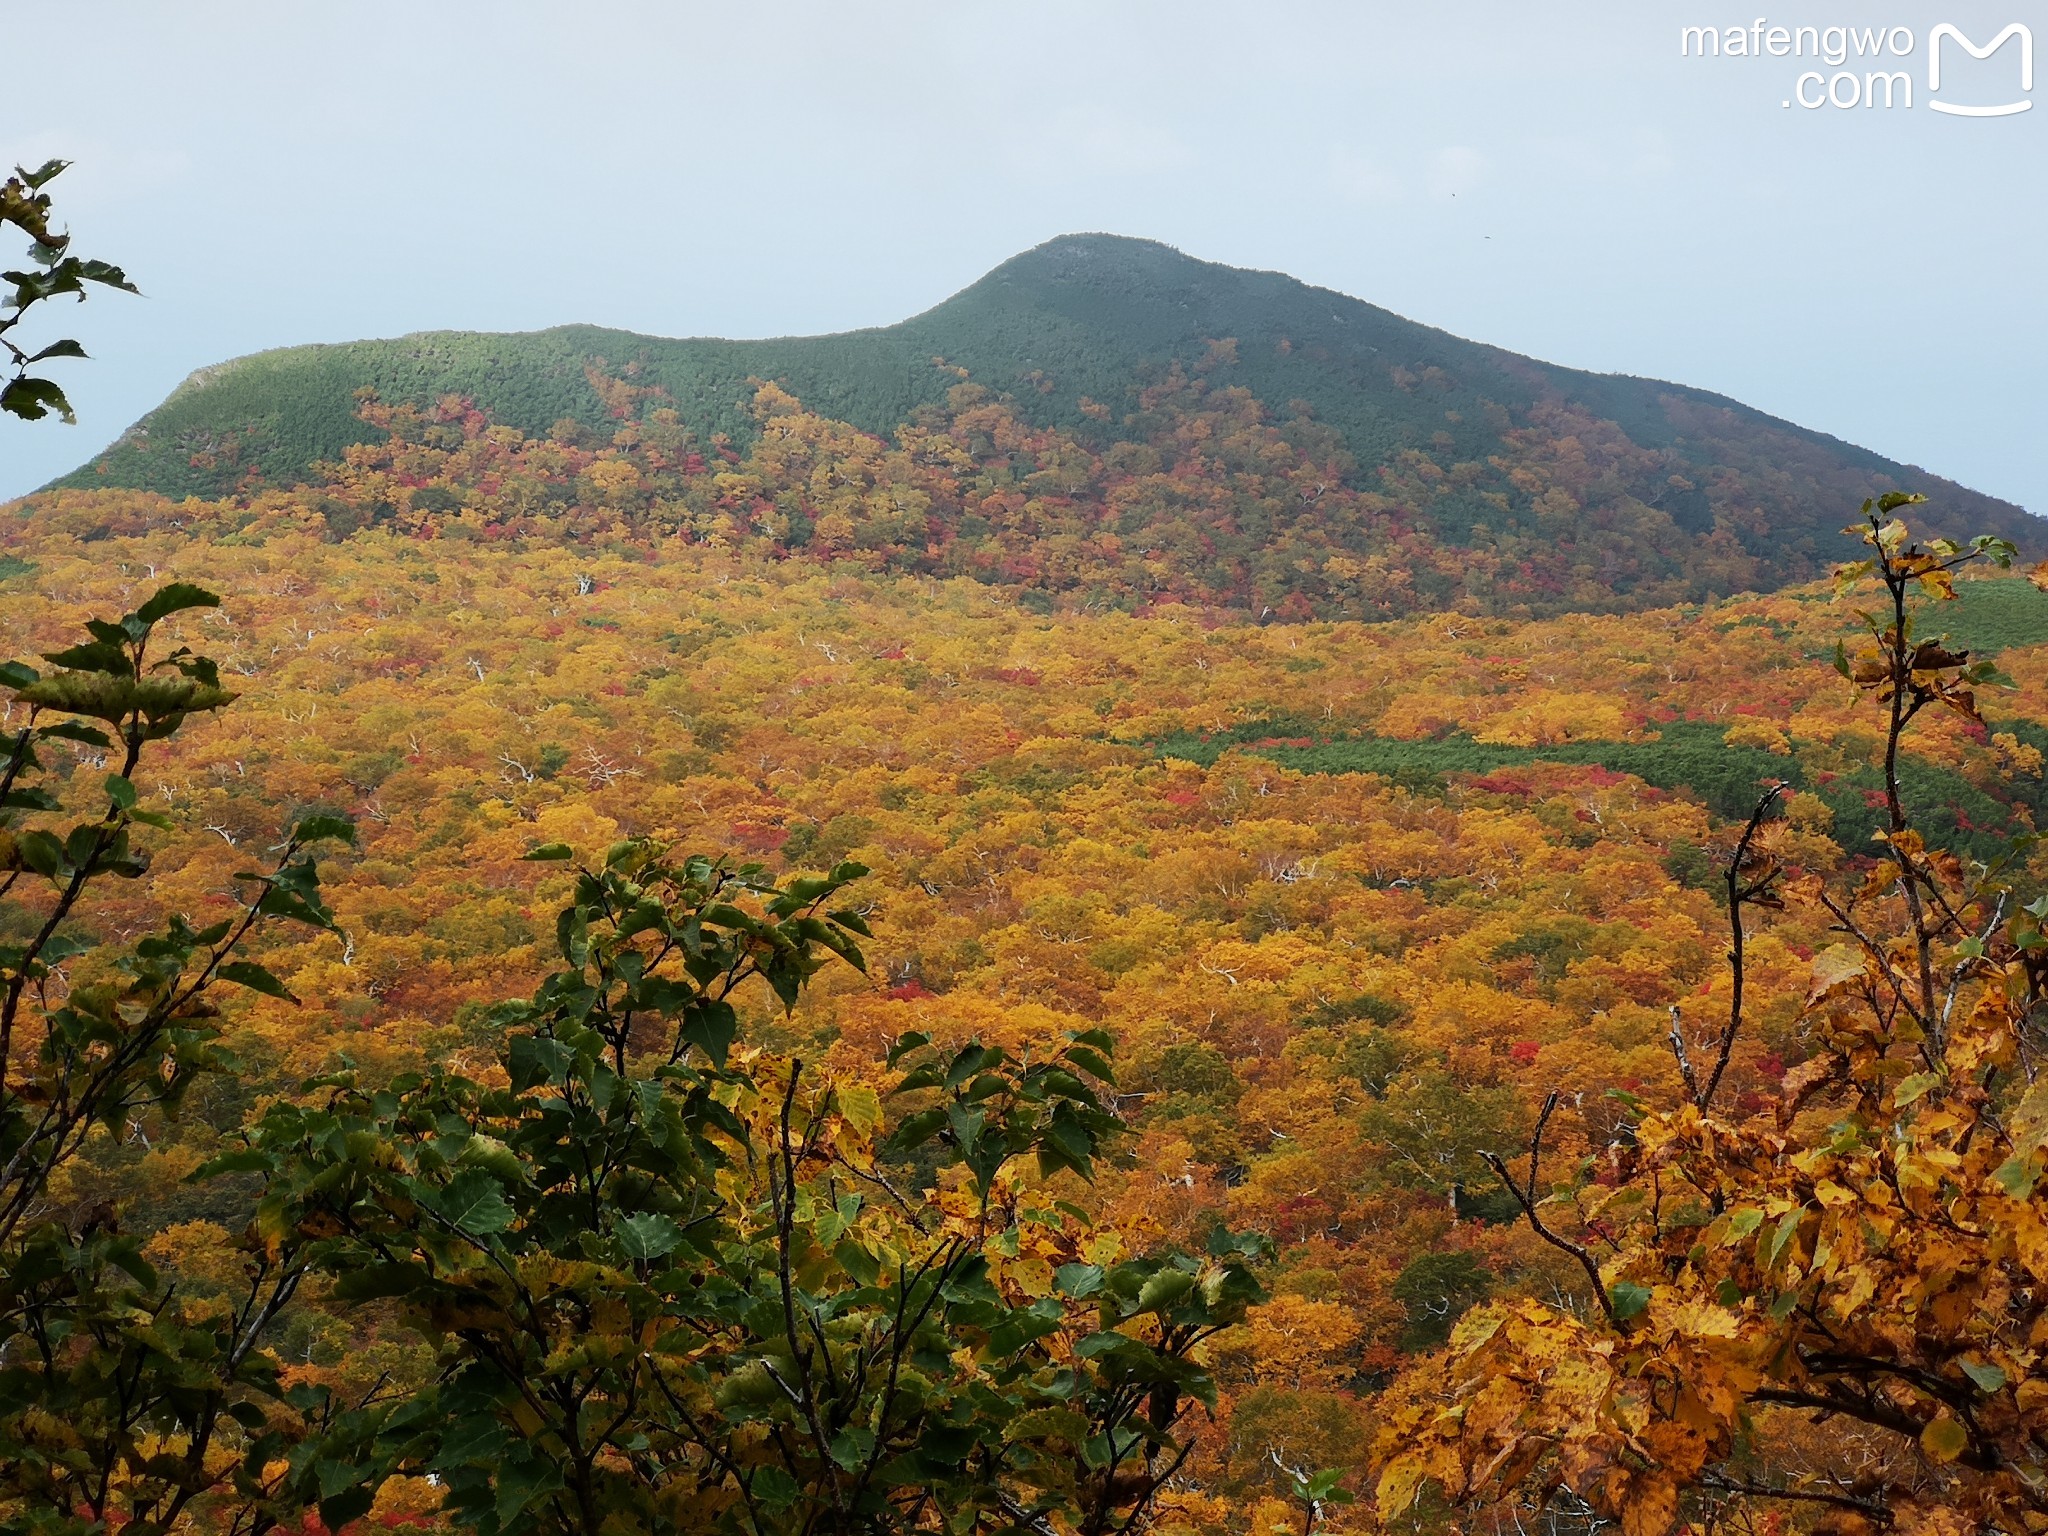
(1073, 331)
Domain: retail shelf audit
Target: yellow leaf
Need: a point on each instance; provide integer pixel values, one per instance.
(1701, 1319)
(1399, 1484)
(1477, 1326)
(1944, 1439)
(862, 1107)
(1835, 969)
(1032, 1276)
(1650, 1507)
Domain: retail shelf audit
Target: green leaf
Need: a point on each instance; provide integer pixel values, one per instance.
(294, 892)
(973, 1057)
(474, 1203)
(246, 973)
(542, 852)
(1324, 1484)
(916, 1130)
(33, 399)
(1094, 1064)
(94, 656)
(1629, 1300)
(853, 922)
(775, 1488)
(41, 852)
(324, 826)
(175, 598)
(124, 1256)
(649, 1236)
(1048, 1424)
(912, 1040)
(348, 1506)
(1781, 1236)
(1915, 1087)
(1989, 1378)
(78, 730)
(857, 1262)
(1166, 1288)
(106, 272)
(1023, 1326)
(852, 1446)
(711, 1026)
(120, 791)
(2016, 1176)
(1743, 1224)
(63, 947)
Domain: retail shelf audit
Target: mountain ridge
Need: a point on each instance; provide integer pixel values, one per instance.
(1116, 345)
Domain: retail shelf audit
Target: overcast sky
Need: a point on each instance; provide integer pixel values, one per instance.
(1553, 178)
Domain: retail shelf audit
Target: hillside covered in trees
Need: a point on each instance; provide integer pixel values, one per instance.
(1194, 416)
(1353, 899)
(1207, 503)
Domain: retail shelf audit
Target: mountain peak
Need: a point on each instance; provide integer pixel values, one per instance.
(1075, 331)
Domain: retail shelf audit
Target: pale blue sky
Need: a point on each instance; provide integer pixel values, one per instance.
(1553, 178)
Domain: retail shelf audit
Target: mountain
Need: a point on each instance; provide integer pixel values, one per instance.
(1084, 336)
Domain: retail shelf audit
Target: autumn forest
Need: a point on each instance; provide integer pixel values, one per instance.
(1135, 966)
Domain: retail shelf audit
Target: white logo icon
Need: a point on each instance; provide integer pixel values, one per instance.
(1945, 30)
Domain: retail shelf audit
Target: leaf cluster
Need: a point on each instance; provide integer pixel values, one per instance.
(1871, 1249)
(118, 1400)
(671, 1285)
(52, 272)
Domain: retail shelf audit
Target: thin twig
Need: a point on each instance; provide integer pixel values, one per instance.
(1738, 893)
(1526, 1199)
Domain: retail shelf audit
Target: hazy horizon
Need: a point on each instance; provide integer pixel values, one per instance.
(1563, 185)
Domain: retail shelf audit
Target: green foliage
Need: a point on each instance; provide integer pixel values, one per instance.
(1374, 1058)
(1435, 1129)
(992, 1111)
(1994, 615)
(119, 1404)
(1200, 1070)
(1691, 865)
(52, 272)
(1276, 1433)
(671, 1287)
(1383, 1011)
(1687, 756)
